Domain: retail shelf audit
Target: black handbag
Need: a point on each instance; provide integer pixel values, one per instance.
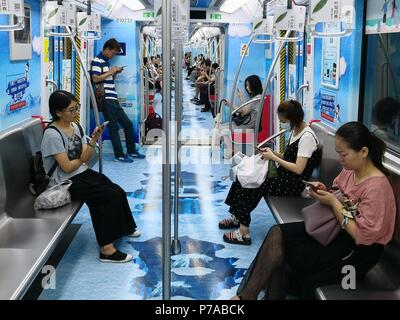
(240, 119)
(100, 96)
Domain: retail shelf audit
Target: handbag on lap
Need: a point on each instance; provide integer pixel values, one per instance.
(320, 221)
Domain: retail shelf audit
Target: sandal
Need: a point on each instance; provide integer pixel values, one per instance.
(235, 237)
(229, 223)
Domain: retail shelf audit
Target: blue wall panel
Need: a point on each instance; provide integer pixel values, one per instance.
(255, 63)
(345, 99)
(128, 82)
(19, 85)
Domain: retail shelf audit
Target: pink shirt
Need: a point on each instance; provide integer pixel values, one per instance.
(376, 216)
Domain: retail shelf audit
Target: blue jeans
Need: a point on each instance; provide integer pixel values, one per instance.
(116, 115)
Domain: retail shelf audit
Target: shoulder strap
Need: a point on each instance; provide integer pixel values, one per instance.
(55, 165)
(291, 135)
(80, 130)
(313, 134)
(54, 128)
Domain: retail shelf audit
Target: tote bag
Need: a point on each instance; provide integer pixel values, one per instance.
(252, 171)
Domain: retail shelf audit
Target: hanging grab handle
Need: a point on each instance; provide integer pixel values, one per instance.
(20, 25)
(316, 34)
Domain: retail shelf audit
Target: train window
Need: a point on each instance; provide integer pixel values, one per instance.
(382, 88)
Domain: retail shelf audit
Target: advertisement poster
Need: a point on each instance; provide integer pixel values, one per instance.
(17, 91)
(330, 58)
(244, 50)
(383, 16)
(329, 112)
(292, 82)
(66, 75)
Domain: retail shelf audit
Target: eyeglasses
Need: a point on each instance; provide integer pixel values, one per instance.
(74, 110)
(115, 52)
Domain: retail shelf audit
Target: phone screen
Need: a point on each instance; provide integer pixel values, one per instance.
(311, 185)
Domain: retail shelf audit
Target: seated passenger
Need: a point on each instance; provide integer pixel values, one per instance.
(254, 89)
(202, 84)
(296, 164)
(291, 261)
(107, 202)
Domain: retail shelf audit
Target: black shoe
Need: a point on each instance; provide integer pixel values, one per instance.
(117, 257)
(194, 99)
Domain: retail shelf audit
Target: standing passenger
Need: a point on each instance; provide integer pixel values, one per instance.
(102, 73)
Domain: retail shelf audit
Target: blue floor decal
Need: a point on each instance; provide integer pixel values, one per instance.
(207, 269)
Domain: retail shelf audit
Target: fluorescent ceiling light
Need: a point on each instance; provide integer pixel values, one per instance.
(230, 6)
(133, 5)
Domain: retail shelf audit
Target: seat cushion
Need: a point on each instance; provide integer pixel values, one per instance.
(381, 283)
(288, 209)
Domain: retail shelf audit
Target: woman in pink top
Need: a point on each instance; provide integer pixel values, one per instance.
(290, 261)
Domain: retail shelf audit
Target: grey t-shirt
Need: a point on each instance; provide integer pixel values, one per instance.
(52, 144)
(253, 107)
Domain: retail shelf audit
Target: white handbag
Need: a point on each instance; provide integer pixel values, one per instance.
(252, 171)
(54, 197)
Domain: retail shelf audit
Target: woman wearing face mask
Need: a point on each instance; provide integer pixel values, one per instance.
(296, 164)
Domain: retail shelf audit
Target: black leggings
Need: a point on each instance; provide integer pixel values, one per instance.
(290, 261)
(108, 205)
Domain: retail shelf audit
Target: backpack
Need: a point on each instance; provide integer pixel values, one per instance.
(39, 178)
(153, 121)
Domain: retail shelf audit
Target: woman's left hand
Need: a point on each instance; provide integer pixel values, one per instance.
(97, 133)
(324, 197)
(268, 154)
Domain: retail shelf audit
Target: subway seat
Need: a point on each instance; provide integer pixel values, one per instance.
(27, 236)
(383, 281)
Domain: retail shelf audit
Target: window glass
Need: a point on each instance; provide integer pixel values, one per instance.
(382, 88)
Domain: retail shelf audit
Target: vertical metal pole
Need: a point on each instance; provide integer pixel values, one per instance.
(166, 222)
(235, 82)
(147, 84)
(281, 47)
(176, 245)
(92, 97)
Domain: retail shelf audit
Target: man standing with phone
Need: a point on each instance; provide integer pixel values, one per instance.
(113, 112)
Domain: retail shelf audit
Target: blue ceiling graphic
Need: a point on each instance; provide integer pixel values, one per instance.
(201, 3)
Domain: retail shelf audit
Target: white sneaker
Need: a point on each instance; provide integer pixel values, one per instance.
(135, 234)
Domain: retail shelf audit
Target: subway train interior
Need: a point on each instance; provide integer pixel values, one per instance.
(171, 149)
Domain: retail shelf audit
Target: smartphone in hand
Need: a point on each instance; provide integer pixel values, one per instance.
(311, 185)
